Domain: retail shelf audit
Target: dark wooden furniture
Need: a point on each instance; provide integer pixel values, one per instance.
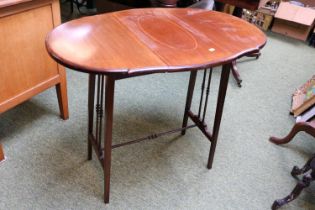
(132, 45)
(308, 127)
(304, 182)
(146, 3)
(1, 154)
(239, 6)
(26, 68)
(245, 4)
(104, 6)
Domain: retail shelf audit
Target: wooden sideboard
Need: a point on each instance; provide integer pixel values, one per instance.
(25, 66)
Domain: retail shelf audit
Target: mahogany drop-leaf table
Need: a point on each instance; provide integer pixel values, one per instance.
(138, 42)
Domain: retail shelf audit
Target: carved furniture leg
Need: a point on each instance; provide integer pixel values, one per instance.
(305, 182)
(297, 171)
(300, 126)
(219, 110)
(295, 193)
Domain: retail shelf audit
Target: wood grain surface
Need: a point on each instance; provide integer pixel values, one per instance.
(26, 67)
(141, 41)
(6, 3)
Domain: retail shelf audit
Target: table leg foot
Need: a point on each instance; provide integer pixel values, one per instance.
(236, 74)
(277, 204)
(305, 182)
(298, 171)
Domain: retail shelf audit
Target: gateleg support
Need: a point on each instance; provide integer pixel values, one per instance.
(190, 92)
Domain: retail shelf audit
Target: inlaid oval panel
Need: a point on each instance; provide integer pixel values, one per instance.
(166, 32)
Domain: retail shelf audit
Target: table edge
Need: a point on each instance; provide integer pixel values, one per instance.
(151, 69)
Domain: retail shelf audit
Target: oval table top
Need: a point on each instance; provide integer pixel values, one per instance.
(142, 41)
